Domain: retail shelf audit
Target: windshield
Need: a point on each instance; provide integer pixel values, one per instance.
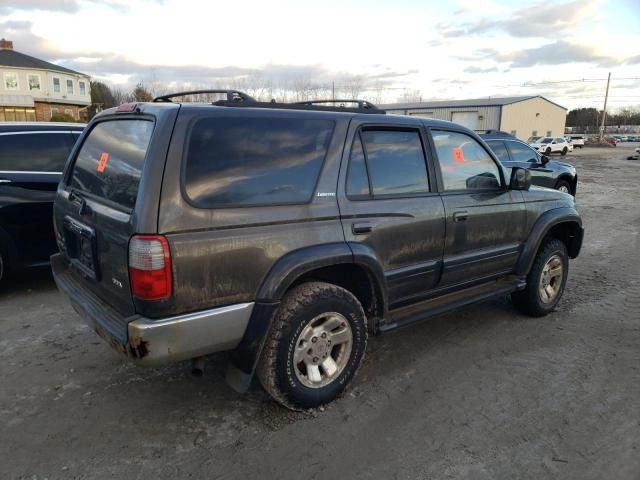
(546, 140)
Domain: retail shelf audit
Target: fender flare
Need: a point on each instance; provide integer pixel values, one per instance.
(282, 275)
(541, 228)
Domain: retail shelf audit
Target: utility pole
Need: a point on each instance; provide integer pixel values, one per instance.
(604, 110)
(333, 90)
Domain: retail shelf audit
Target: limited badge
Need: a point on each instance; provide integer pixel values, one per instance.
(102, 164)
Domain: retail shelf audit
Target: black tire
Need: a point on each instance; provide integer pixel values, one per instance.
(547, 151)
(529, 301)
(3, 265)
(563, 184)
(564, 151)
(276, 368)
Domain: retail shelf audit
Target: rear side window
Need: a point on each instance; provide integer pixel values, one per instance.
(500, 150)
(34, 152)
(110, 161)
(255, 161)
(387, 162)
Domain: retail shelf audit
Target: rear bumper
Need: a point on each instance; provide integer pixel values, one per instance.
(155, 342)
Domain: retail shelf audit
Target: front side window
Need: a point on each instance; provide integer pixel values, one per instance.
(69, 87)
(464, 164)
(34, 152)
(255, 161)
(11, 81)
(56, 85)
(522, 153)
(499, 149)
(34, 82)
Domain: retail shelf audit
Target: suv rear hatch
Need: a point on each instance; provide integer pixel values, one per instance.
(98, 209)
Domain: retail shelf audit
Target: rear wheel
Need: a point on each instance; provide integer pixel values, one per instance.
(564, 151)
(314, 346)
(2, 272)
(563, 186)
(546, 280)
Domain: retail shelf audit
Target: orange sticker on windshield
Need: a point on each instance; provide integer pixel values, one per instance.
(458, 155)
(102, 164)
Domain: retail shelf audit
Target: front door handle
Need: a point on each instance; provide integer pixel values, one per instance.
(360, 228)
(460, 216)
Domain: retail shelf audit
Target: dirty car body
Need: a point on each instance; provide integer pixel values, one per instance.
(182, 227)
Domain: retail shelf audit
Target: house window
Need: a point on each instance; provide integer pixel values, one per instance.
(54, 111)
(534, 133)
(513, 132)
(69, 87)
(56, 85)
(34, 82)
(17, 114)
(83, 88)
(548, 133)
(68, 111)
(11, 81)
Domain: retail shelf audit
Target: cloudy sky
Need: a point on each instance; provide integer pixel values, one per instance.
(390, 49)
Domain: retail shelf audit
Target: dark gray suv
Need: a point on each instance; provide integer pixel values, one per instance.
(284, 233)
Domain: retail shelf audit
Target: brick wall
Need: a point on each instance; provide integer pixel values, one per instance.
(43, 111)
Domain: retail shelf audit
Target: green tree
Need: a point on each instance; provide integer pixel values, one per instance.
(101, 98)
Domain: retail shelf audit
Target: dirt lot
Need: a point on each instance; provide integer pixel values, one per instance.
(483, 393)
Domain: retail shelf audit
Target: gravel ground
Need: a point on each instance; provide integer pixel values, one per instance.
(482, 393)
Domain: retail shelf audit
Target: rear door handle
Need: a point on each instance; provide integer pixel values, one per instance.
(360, 228)
(460, 216)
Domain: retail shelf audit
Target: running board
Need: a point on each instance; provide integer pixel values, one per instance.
(445, 303)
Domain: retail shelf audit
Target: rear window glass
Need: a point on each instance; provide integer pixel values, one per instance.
(255, 161)
(34, 152)
(110, 161)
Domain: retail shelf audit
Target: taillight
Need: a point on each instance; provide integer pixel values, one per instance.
(150, 267)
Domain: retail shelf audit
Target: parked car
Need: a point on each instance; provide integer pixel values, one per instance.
(549, 145)
(283, 232)
(32, 156)
(577, 141)
(544, 172)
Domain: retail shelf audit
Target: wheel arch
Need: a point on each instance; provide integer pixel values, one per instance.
(352, 267)
(562, 223)
(572, 181)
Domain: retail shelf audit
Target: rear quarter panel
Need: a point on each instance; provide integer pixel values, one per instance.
(222, 255)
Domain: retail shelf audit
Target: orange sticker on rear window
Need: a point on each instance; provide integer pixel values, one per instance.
(458, 155)
(102, 164)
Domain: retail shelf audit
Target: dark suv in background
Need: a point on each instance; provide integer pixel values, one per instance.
(544, 171)
(285, 232)
(32, 157)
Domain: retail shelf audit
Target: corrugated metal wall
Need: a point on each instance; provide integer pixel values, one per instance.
(490, 115)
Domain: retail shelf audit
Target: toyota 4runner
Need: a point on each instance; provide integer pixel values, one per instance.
(285, 233)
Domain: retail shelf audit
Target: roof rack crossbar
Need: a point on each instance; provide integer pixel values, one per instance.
(232, 95)
(362, 104)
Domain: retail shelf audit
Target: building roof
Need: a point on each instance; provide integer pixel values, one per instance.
(11, 58)
(475, 102)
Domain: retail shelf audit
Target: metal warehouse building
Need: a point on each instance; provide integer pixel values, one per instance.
(523, 117)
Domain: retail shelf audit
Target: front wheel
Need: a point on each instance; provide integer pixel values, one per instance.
(546, 280)
(548, 151)
(314, 347)
(564, 151)
(563, 186)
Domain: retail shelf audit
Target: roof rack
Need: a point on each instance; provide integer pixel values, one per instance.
(362, 104)
(232, 95)
(315, 105)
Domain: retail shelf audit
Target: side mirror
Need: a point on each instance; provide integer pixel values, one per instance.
(544, 159)
(520, 179)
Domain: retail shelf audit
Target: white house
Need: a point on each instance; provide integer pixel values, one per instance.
(34, 90)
